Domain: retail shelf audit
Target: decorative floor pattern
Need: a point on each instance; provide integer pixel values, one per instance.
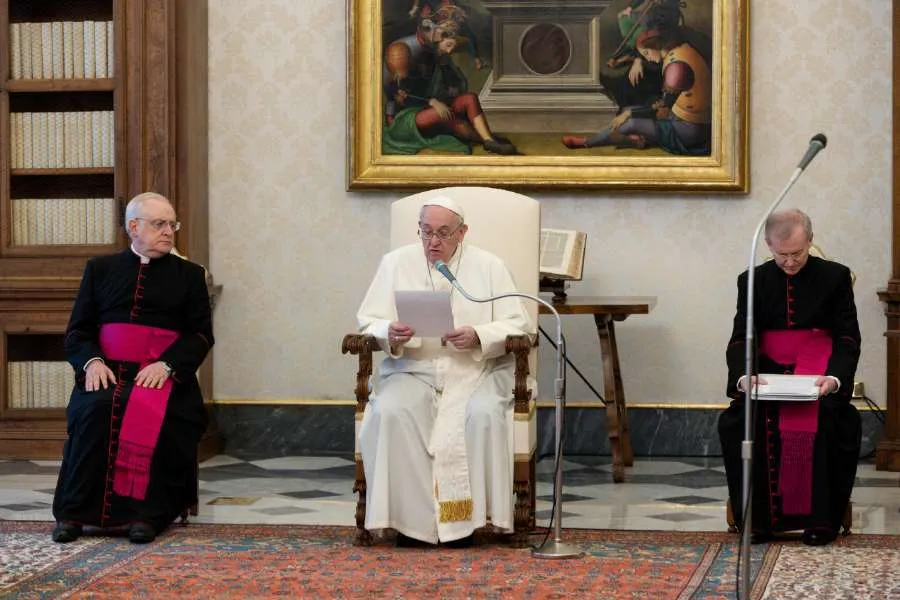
(683, 494)
(264, 561)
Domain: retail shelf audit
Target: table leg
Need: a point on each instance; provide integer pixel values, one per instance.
(616, 417)
(621, 405)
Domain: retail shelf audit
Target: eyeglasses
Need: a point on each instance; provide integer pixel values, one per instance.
(442, 234)
(160, 224)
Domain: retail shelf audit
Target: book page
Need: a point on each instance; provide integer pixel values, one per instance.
(562, 253)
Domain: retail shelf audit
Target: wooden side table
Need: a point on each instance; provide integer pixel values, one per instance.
(606, 311)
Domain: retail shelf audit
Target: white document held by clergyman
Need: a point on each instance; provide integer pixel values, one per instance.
(795, 388)
(428, 312)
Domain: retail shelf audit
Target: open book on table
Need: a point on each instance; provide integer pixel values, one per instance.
(793, 388)
(562, 253)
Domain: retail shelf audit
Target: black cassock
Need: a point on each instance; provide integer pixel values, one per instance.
(820, 296)
(172, 295)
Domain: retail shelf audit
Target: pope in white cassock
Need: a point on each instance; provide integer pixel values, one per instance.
(436, 436)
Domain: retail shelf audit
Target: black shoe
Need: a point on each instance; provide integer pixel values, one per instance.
(141, 533)
(466, 542)
(818, 537)
(760, 537)
(504, 148)
(66, 532)
(404, 541)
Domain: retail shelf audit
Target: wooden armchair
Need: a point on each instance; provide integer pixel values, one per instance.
(507, 224)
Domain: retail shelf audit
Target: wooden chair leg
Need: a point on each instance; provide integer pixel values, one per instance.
(848, 519)
(363, 535)
(729, 517)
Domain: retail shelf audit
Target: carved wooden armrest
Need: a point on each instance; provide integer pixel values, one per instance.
(361, 345)
(520, 346)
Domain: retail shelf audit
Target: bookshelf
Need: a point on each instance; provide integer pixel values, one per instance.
(99, 100)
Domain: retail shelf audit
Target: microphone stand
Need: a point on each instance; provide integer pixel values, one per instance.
(747, 445)
(554, 548)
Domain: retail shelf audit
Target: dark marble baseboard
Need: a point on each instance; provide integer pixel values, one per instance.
(263, 431)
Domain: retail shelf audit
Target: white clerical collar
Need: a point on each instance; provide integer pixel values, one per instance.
(144, 259)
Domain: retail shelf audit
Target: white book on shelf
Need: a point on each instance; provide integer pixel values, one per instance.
(97, 138)
(91, 221)
(78, 139)
(31, 388)
(78, 49)
(27, 140)
(18, 219)
(14, 140)
(109, 220)
(90, 64)
(15, 47)
(65, 212)
(59, 139)
(50, 123)
(30, 221)
(69, 383)
(68, 50)
(58, 393)
(562, 253)
(47, 49)
(59, 221)
(37, 61)
(70, 137)
(107, 158)
(58, 52)
(100, 49)
(40, 221)
(39, 135)
(25, 52)
(85, 130)
(12, 385)
(40, 384)
(84, 215)
(110, 49)
(20, 141)
(51, 220)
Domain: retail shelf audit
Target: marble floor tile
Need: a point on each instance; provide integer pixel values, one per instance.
(672, 494)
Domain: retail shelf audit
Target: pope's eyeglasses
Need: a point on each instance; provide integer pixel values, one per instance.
(442, 234)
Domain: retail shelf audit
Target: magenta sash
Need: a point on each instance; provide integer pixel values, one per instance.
(146, 407)
(809, 350)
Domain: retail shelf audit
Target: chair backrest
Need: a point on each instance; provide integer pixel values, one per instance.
(502, 222)
(816, 251)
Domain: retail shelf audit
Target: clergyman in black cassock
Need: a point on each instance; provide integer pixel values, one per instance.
(795, 294)
(140, 328)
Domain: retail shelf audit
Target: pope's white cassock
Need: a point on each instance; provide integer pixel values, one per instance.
(436, 436)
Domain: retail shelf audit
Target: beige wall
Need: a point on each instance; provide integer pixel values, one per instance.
(295, 250)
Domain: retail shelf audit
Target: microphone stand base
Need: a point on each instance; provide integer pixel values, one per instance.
(556, 549)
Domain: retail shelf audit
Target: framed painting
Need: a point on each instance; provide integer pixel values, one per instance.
(562, 94)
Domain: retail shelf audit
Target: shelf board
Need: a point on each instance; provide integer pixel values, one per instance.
(78, 171)
(61, 85)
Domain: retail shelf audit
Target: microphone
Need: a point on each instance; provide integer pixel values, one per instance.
(816, 144)
(444, 270)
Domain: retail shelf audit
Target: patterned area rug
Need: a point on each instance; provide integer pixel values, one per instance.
(239, 561)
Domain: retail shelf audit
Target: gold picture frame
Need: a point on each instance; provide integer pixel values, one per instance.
(724, 169)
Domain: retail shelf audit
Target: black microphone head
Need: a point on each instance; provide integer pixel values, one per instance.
(819, 137)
